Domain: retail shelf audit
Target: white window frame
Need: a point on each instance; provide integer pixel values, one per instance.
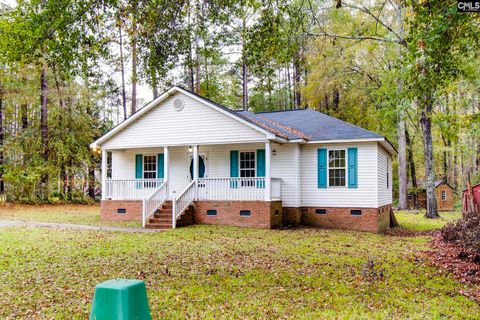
(345, 168)
(247, 183)
(143, 165)
(443, 195)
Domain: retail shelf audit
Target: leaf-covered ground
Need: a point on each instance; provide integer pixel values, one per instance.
(225, 272)
(416, 221)
(76, 214)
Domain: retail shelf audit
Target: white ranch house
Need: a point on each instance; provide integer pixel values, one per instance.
(183, 159)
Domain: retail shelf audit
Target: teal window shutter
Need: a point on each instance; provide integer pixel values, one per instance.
(260, 167)
(139, 169)
(352, 167)
(160, 166)
(322, 168)
(234, 170)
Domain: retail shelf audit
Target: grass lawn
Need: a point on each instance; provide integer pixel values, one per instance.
(225, 273)
(78, 214)
(417, 221)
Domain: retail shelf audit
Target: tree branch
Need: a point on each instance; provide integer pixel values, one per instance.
(378, 20)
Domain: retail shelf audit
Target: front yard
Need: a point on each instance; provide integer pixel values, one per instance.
(75, 214)
(225, 272)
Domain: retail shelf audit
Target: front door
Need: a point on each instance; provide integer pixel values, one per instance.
(201, 167)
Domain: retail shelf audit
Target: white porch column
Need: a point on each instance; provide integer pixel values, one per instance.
(104, 174)
(268, 184)
(195, 169)
(165, 166)
(296, 168)
(195, 162)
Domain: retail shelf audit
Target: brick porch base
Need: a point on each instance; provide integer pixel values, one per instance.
(125, 210)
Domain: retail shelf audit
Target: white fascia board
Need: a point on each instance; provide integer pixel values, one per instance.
(163, 96)
(347, 140)
(382, 141)
(208, 143)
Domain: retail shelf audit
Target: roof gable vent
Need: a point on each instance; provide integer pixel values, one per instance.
(178, 104)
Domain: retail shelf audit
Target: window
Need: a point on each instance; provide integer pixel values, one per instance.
(121, 210)
(356, 212)
(149, 167)
(444, 195)
(321, 211)
(247, 168)
(336, 168)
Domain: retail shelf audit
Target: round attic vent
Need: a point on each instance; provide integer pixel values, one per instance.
(178, 104)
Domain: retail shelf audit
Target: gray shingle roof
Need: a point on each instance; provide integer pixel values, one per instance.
(312, 124)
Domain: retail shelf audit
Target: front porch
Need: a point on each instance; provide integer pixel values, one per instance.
(174, 178)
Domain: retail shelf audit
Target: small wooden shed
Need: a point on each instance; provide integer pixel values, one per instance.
(476, 198)
(443, 193)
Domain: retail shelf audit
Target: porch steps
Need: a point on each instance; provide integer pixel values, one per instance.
(162, 219)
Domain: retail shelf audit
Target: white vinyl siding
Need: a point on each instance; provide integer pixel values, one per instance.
(384, 171)
(217, 165)
(298, 171)
(197, 123)
(364, 196)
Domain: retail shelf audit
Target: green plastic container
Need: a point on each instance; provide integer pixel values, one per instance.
(120, 299)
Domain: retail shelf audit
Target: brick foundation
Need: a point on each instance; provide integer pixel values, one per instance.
(262, 214)
(133, 210)
(371, 219)
(292, 216)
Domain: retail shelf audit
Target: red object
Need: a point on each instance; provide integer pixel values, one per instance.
(476, 197)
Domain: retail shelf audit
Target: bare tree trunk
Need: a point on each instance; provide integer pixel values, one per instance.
(44, 126)
(426, 124)
(401, 139)
(411, 165)
(244, 69)
(24, 117)
(336, 99)
(154, 85)
(197, 73)
(207, 85)
(122, 70)
(134, 69)
(297, 78)
(402, 163)
(244, 85)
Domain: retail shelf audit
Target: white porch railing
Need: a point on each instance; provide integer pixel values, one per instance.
(154, 201)
(235, 189)
(130, 189)
(181, 203)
